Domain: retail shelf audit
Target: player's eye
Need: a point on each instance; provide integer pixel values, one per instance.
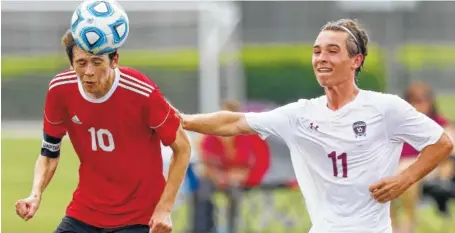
(81, 63)
(316, 52)
(97, 62)
(333, 51)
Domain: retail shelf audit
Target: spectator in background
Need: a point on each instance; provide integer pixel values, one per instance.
(447, 169)
(442, 188)
(231, 164)
(419, 95)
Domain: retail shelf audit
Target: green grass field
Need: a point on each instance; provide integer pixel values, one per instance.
(18, 157)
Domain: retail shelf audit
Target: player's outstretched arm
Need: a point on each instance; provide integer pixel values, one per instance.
(222, 123)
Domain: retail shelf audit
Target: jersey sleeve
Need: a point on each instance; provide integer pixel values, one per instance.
(405, 124)
(277, 122)
(54, 115)
(162, 117)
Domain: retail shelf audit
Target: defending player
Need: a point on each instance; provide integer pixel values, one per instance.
(115, 118)
(345, 145)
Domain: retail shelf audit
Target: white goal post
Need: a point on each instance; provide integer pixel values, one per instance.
(217, 32)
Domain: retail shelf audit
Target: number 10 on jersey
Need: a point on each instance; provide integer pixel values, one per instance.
(98, 137)
(343, 158)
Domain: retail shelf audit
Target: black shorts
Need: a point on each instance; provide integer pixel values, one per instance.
(71, 225)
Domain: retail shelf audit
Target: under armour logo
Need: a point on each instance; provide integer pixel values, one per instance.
(314, 126)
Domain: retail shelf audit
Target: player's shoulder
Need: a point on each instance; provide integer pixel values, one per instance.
(63, 80)
(377, 96)
(384, 102)
(293, 109)
(135, 81)
(302, 104)
(299, 104)
(312, 104)
(134, 74)
(314, 101)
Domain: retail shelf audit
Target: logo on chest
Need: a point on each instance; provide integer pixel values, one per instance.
(76, 120)
(360, 129)
(314, 127)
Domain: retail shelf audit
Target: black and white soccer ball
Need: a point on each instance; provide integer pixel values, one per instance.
(100, 26)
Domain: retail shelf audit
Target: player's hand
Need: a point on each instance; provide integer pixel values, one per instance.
(390, 188)
(160, 222)
(26, 208)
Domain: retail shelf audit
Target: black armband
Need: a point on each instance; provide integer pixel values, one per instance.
(50, 146)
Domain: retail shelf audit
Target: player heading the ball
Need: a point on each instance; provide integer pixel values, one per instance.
(116, 119)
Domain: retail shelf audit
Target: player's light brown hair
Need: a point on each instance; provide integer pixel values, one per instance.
(68, 43)
(357, 42)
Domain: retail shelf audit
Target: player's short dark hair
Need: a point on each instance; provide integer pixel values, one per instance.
(68, 43)
(357, 43)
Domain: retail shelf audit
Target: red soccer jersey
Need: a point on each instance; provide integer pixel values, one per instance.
(117, 139)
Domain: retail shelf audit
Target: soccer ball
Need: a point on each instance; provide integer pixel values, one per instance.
(99, 26)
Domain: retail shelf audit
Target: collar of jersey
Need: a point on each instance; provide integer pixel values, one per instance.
(342, 110)
(105, 97)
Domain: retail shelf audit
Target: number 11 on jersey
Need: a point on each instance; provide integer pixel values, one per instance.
(344, 163)
(98, 139)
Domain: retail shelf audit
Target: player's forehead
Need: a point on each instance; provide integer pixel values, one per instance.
(79, 54)
(329, 38)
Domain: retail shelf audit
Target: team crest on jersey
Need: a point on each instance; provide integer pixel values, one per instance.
(360, 129)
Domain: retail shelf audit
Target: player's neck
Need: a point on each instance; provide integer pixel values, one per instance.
(340, 95)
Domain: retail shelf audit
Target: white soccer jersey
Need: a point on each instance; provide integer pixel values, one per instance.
(337, 155)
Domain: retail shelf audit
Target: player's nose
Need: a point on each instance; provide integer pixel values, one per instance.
(322, 58)
(89, 71)
(89, 75)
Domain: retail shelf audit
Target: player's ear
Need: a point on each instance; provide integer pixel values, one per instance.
(115, 60)
(357, 61)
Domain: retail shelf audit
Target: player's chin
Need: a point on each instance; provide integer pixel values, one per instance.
(90, 87)
(324, 81)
